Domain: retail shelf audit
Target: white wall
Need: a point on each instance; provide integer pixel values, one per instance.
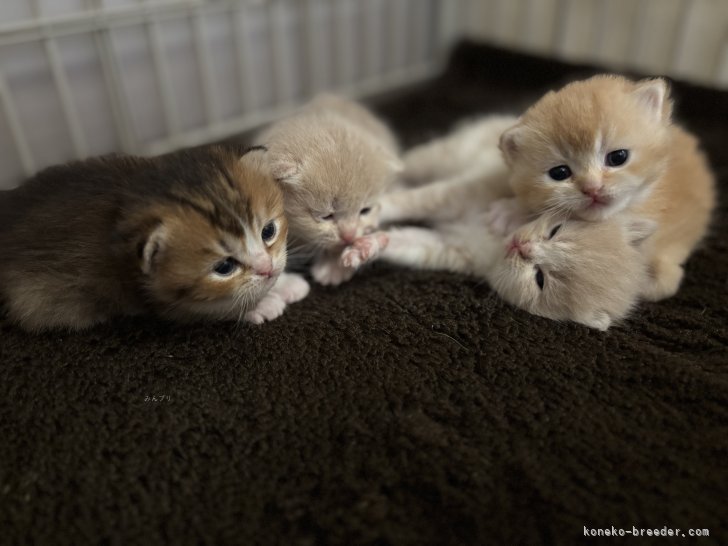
(686, 39)
(86, 77)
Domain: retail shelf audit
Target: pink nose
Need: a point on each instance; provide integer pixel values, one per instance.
(265, 272)
(522, 247)
(591, 191)
(262, 265)
(348, 236)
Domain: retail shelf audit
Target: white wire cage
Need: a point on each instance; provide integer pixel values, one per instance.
(87, 77)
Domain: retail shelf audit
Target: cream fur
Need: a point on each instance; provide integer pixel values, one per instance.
(333, 158)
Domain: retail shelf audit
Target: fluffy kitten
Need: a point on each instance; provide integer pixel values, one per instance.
(588, 272)
(189, 235)
(605, 145)
(335, 159)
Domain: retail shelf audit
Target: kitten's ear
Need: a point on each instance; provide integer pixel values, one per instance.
(285, 168)
(598, 319)
(151, 247)
(509, 144)
(640, 229)
(653, 96)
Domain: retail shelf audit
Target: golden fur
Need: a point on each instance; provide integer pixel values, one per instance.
(83, 242)
(665, 179)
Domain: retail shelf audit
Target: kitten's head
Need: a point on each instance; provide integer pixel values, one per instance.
(215, 242)
(587, 272)
(591, 148)
(333, 174)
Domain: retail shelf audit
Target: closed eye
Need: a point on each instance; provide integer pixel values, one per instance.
(539, 278)
(365, 210)
(328, 217)
(554, 231)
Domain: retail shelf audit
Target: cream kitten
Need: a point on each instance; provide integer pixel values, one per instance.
(197, 234)
(605, 145)
(587, 272)
(335, 159)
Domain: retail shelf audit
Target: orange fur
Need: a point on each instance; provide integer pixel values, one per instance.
(665, 179)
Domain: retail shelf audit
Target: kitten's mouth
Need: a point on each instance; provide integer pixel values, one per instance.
(598, 201)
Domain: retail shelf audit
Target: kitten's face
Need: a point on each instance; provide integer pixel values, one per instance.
(587, 272)
(218, 251)
(590, 149)
(333, 186)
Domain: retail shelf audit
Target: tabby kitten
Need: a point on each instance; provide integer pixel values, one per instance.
(197, 234)
(335, 160)
(605, 145)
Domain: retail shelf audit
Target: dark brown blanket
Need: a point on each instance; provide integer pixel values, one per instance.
(401, 408)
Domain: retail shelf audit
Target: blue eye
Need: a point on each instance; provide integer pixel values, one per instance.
(539, 277)
(269, 231)
(616, 158)
(365, 210)
(562, 172)
(225, 267)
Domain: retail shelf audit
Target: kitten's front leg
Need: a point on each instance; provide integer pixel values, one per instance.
(289, 288)
(364, 249)
(504, 216)
(329, 271)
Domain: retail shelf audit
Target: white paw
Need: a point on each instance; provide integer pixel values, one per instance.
(269, 308)
(504, 216)
(330, 272)
(291, 287)
(364, 249)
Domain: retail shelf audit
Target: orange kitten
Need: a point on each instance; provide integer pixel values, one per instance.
(190, 235)
(335, 159)
(605, 145)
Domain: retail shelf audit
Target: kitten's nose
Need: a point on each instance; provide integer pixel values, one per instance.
(348, 236)
(263, 266)
(591, 191)
(522, 247)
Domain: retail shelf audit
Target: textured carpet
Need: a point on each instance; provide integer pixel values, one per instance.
(401, 408)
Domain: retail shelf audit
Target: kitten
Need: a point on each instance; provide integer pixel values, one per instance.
(588, 272)
(564, 269)
(605, 145)
(190, 235)
(335, 159)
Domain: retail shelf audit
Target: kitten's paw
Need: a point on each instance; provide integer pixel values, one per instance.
(331, 273)
(291, 287)
(364, 249)
(269, 308)
(504, 216)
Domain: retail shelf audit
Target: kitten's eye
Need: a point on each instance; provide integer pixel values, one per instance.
(328, 217)
(554, 231)
(616, 158)
(562, 172)
(269, 231)
(225, 267)
(539, 277)
(365, 210)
